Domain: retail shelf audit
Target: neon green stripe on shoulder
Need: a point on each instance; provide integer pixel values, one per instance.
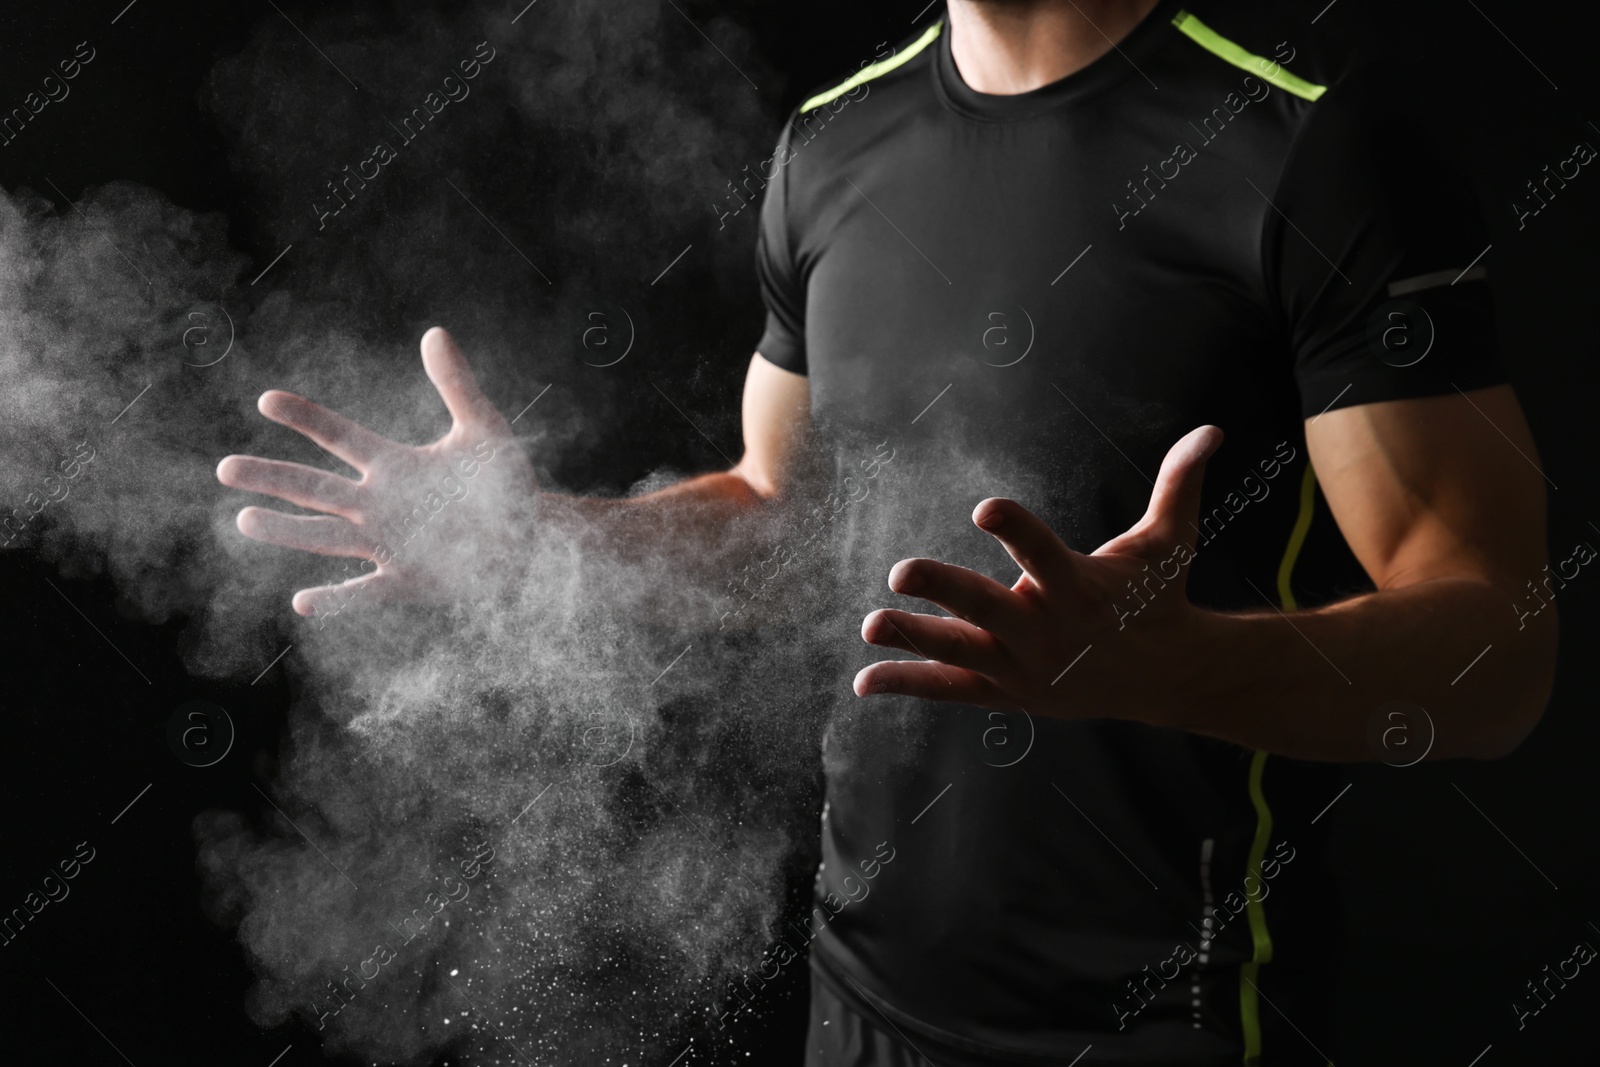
(876, 70)
(1269, 70)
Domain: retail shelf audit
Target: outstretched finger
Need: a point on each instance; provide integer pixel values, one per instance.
(1042, 555)
(306, 487)
(324, 601)
(322, 534)
(458, 387)
(335, 434)
(964, 593)
(951, 641)
(930, 681)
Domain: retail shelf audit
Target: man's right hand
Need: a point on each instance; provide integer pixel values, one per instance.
(421, 516)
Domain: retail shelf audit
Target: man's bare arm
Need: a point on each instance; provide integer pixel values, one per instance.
(678, 549)
(1447, 516)
(775, 414)
(1441, 503)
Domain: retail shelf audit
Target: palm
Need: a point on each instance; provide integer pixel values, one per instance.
(1008, 647)
(418, 517)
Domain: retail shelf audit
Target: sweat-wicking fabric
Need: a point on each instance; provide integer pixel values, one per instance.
(1203, 226)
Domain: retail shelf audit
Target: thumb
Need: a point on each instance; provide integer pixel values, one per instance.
(1175, 500)
(458, 388)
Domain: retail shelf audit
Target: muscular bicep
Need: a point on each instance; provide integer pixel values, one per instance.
(776, 414)
(1436, 487)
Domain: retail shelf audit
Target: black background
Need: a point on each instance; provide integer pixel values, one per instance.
(1451, 903)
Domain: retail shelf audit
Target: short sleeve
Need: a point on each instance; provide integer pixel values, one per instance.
(1375, 251)
(782, 286)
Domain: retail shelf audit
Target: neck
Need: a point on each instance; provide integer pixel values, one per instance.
(1005, 47)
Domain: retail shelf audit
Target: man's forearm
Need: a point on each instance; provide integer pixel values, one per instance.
(688, 519)
(667, 555)
(1317, 684)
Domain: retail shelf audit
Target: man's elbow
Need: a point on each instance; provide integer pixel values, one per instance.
(1529, 682)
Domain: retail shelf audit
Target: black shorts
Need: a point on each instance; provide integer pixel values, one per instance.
(841, 1036)
(846, 1033)
(838, 1037)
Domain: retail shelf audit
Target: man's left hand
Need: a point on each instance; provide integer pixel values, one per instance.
(1117, 620)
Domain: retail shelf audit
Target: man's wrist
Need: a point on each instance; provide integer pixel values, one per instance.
(1198, 671)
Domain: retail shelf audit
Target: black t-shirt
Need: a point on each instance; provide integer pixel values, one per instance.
(1034, 296)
